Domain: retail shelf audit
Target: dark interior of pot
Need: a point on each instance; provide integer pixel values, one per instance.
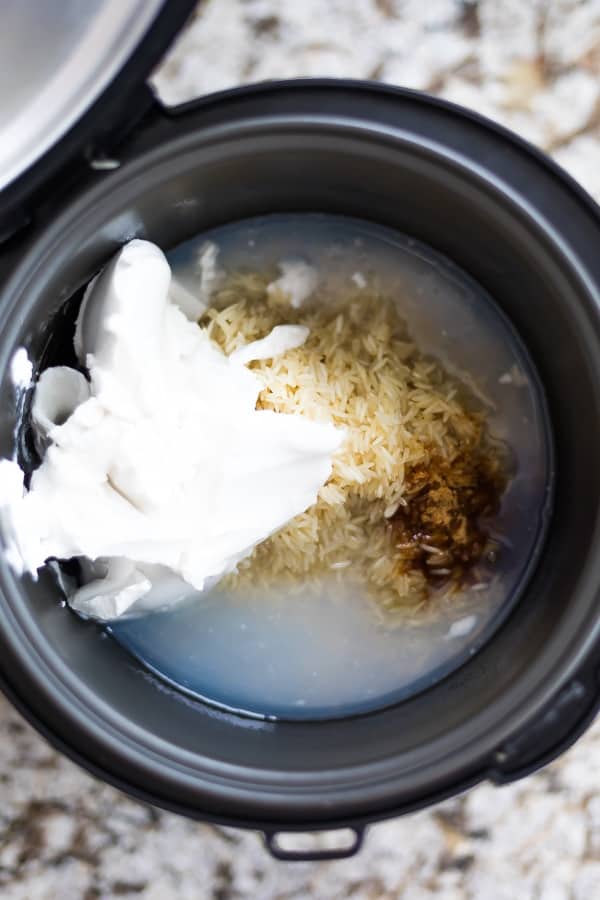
(88, 692)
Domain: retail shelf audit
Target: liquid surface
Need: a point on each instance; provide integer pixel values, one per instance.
(322, 651)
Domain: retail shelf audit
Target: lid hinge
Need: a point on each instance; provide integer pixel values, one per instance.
(101, 154)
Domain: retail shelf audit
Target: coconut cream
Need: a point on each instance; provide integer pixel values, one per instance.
(161, 467)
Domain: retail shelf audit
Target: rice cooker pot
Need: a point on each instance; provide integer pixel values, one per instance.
(504, 213)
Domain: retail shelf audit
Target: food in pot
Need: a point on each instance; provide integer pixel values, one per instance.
(327, 446)
(288, 432)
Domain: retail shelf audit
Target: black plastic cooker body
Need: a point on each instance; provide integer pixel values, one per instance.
(516, 223)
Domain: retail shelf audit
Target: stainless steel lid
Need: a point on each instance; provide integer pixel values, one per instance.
(57, 59)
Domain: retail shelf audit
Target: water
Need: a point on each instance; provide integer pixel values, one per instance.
(322, 652)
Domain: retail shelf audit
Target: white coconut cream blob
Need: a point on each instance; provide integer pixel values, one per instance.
(166, 472)
(298, 281)
(58, 393)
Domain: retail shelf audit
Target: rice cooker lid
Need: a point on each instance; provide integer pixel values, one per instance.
(72, 74)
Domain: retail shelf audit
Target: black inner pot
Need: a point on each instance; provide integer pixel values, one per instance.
(503, 214)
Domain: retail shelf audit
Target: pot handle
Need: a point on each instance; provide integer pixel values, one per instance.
(348, 848)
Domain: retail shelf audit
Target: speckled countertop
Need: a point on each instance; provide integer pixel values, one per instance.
(535, 66)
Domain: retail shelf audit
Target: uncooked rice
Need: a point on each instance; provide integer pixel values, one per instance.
(360, 370)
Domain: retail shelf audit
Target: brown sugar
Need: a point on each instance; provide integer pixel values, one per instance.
(441, 531)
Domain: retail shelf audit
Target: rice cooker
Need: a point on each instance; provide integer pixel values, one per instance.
(89, 159)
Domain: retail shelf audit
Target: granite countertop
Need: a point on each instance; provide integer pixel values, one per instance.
(535, 67)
